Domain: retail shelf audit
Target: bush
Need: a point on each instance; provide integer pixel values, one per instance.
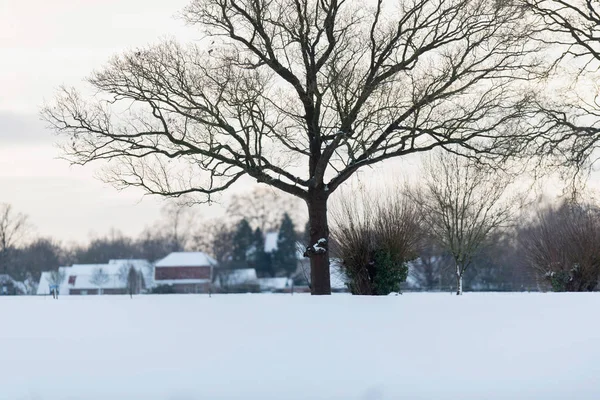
(562, 245)
(163, 289)
(375, 239)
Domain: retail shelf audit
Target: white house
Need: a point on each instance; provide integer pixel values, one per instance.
(78, 278)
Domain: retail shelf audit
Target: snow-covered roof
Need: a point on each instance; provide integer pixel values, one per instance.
(187, 259)
(271, 241)
(79, 276)
(274, 283)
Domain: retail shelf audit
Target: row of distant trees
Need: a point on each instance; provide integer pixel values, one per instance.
(236, 240)
(460, 225)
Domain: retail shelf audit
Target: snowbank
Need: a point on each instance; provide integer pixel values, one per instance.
(188, 347)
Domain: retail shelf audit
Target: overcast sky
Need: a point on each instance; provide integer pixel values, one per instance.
(44, 44)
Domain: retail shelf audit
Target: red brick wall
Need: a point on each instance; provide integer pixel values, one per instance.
(88, 291)
(181, 273)
(95, 291)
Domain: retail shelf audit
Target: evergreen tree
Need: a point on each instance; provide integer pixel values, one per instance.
(284, 258)
(242, 244)
(259, 259)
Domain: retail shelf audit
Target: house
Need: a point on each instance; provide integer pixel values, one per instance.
(78, 278)
(185, 272)
(10, 287)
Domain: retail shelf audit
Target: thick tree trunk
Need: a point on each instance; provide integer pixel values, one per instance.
(318, 248)
(459, 281)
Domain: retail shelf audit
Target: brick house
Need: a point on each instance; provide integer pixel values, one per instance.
(185, 272)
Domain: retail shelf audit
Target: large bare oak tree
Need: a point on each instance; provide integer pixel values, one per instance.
(567, 125)
(300, 94)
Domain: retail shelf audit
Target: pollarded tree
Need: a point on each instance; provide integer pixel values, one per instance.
(301, 94)
(562, 246)
(99, 278)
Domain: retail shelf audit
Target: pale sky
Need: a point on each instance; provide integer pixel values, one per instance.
(44, 44)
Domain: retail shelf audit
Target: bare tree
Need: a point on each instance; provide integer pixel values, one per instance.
(13, 227)
(567, 125)
(99, 278)
(462, 205)
(178, 221)
(264, 208)
(301, 94)
(215, 237)
(562, 246)
(56, 278)
(132, 278)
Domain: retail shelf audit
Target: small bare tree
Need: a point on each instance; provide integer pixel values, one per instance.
(462, 205)
(99, 278)
(13, 227)
(56, 278)
(562, 246)
(301, 94)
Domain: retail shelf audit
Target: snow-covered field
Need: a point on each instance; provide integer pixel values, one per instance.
(414, 346)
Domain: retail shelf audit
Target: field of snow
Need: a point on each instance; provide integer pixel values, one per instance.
(192, 347)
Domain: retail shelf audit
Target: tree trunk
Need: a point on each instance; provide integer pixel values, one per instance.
(459, 281)
(318, 247)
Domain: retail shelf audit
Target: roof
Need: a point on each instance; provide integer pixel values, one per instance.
(187, 259)
(271, 241)
(83, 273)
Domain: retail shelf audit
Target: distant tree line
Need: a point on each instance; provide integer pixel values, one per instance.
(236, 242)
(459, 227)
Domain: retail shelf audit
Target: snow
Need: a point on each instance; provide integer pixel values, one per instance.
(187, 259)
(317, 247)
(267, 346)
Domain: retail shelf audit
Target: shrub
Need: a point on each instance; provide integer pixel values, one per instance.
(163, 289)
(562, 245)
(375, 239)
